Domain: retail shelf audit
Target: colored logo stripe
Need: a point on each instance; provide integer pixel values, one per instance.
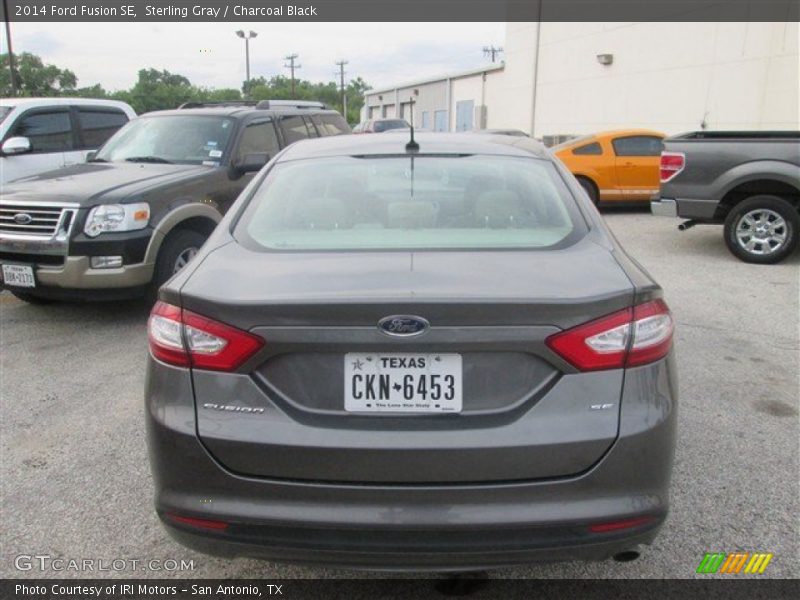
(714, 562)
(758, 563)
(711, 562)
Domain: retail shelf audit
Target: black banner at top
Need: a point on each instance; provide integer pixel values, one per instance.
(401, 10)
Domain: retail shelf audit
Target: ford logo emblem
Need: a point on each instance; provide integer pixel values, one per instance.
(403, 325)
(22, 218)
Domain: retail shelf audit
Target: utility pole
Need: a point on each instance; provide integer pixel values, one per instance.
(12, 67)
(291, 66)
(341, 65)
(492, 51)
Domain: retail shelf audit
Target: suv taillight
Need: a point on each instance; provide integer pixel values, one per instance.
(628, 338)
(672, 163)
(185, 339)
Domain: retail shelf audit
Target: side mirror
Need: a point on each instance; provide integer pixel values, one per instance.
(90, 155)
(248, 164)
(16, 145)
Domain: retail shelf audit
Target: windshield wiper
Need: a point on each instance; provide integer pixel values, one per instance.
(148, 159)
(97, 160)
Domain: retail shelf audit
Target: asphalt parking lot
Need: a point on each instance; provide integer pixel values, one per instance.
(75, 478)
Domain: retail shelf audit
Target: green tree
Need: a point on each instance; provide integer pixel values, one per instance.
(279, 87)
(158, 90)
(35, 78)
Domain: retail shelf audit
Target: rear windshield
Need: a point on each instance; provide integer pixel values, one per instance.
(422, 202)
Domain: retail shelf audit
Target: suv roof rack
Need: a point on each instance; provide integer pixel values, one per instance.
(266, 104)
(191, 104)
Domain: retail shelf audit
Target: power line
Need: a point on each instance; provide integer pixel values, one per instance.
(291, 66)
(341, 65)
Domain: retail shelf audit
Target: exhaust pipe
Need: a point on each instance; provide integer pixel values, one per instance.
(687, 225)
(627, 556)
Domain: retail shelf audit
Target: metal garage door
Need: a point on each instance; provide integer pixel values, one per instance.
(465, 111)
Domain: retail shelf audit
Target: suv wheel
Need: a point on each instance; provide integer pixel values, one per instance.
(762, 229)
(176, 251)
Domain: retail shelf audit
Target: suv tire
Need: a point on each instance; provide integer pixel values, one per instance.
(178, 248)
(762, 229)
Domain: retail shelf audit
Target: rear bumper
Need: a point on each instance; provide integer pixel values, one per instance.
(686, 208)
(422, 526)
(664, 207)
(481, 548)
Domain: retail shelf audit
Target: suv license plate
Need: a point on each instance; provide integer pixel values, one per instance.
(19, 276)
(411, 383)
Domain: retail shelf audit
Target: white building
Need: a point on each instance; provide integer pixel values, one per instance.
(562, 79)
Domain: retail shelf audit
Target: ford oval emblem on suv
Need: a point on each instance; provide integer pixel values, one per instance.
(22, 218)
(403, 325)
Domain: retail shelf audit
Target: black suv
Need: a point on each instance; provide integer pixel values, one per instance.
(136, 212)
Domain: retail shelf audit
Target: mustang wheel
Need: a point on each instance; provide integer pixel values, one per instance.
(762, 229)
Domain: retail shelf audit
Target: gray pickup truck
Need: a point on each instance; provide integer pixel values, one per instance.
(748, 181)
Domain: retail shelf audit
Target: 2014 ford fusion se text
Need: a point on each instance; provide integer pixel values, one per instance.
(412, 355)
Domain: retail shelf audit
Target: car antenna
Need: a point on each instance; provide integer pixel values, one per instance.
(412, 145)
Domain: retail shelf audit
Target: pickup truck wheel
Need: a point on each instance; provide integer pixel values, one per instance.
(591, 190)
(762, 229)
(176, 251)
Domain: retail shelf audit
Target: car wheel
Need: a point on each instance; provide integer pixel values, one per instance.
(31, 298)
(591, 190)
(762, 229)
(175, 253)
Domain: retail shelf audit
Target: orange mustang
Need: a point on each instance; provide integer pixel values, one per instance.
(615, 166)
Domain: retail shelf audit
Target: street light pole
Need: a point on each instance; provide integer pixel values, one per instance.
(247, 37)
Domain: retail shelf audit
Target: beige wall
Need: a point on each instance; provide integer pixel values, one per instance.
(665, 76)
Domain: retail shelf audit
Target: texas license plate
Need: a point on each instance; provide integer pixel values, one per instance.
(420, 383)
(18, 275)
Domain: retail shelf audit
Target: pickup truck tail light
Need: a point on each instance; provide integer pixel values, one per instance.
(672, 163)
(627, 338)
(185, 339)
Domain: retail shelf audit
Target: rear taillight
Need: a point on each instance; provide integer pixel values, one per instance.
(628, 338)
(182, 338)
(672, 163)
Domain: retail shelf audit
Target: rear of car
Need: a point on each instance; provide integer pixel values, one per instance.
(42, 134)
(399, 360)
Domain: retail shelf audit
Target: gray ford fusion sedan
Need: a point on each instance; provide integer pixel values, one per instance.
(404, 356)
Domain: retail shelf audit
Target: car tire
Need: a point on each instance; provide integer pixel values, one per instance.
(762, 229)
(591, 190)
(31, 298)
(178, 248)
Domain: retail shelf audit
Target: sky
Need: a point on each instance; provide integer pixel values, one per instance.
(211, 55)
